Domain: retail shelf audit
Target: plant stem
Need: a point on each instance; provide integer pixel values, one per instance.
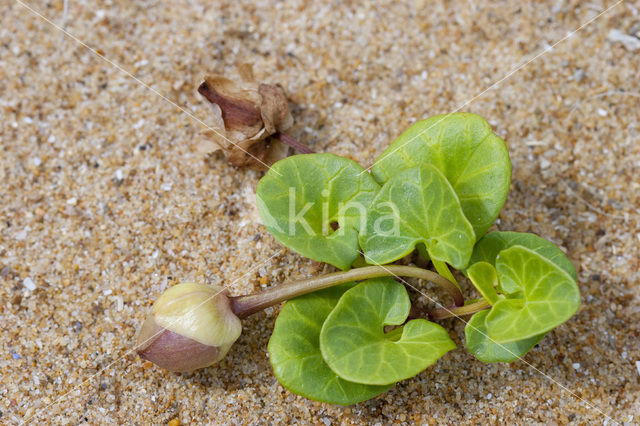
(456, 311)
(243, 306)
(443, 270)
(293, 143)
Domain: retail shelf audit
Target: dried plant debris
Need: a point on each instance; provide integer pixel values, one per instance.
(248, 119)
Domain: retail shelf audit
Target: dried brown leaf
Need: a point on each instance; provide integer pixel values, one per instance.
(246, 116)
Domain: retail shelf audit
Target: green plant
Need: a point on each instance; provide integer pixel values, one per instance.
(295, 347)
(531, 287)
(301, 197)
(350, 335)
(356, 347)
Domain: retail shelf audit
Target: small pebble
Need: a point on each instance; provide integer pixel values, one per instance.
(16, 355)
(29, 284)
(629, 42)
(576, 365)
(544, 163)
(22, 234)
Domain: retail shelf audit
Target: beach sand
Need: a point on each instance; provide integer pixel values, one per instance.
(106, 198)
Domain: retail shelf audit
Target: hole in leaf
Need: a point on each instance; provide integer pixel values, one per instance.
(393, 332)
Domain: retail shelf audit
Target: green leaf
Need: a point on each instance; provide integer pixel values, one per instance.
(463, 147)
(485, 278)
(486, 350)
(545, 297)
(294, 350)
(539, 291)
(355, 346)
(300, 198)
(417, 206)
(488, 248)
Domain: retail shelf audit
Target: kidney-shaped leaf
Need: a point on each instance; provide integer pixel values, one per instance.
(486, 350)
(294, 350)
(488, 248)
(463, 147)
(546, 296)
(417, 206)
(355, 346)
(302, 198)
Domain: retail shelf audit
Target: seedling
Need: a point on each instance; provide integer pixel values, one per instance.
(349, 336)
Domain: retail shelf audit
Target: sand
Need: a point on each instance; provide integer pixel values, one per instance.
(106, 199)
